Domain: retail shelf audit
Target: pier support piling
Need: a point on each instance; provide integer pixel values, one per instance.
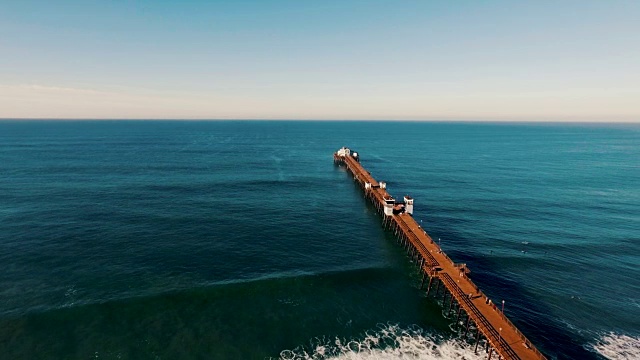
(466, 329)
(429, 286)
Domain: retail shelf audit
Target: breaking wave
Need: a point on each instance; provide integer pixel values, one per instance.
(618, 347)
(386, 342)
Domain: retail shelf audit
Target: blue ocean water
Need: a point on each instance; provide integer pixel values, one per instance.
(242, 240)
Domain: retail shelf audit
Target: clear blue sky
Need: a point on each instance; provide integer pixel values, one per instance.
(468, 60)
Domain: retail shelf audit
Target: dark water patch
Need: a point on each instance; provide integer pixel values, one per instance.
(197, 323)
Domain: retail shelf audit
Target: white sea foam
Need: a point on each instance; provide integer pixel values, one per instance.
(386, 342)
(618, 347)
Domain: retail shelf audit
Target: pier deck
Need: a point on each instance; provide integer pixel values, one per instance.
(499, 333)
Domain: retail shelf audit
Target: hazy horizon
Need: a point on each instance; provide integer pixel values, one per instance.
(461, 121)
(494, 61)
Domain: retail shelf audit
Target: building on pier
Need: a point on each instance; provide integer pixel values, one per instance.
(343, 151)
(408, 204)
(389, 204)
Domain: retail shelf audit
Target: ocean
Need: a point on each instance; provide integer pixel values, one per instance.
(243, 240)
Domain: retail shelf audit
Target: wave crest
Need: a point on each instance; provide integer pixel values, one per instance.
(386, 342)
(618, 347)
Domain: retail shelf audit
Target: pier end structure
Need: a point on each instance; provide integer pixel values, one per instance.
(490, 323)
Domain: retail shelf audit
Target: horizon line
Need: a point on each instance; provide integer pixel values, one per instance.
(484, 120)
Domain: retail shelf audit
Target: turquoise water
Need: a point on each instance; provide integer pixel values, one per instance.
(242, 240)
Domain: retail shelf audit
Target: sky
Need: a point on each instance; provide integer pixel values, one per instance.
(540, 60)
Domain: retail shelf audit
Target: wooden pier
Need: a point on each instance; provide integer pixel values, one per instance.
(460, 295)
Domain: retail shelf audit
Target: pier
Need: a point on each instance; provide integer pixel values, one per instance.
(441, 276)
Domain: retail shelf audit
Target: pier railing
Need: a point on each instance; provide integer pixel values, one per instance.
(492, 335)
(422, 249)
(524, 339)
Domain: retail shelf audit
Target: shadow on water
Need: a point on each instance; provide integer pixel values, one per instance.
(531, 316)
(533, 320)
